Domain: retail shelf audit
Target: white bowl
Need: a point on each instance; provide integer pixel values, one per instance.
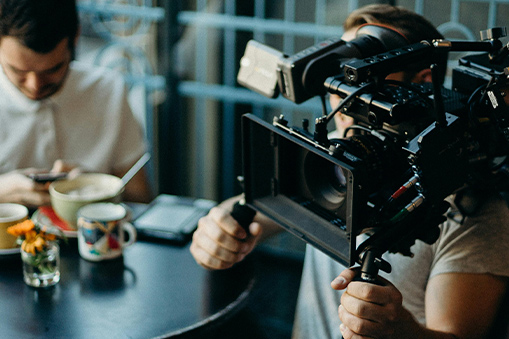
(69, 195)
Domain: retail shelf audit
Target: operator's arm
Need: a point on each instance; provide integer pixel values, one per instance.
(219, 241)
(458, 305)
(463, 304)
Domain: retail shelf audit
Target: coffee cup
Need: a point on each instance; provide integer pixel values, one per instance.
(10, 214)
(101, 231)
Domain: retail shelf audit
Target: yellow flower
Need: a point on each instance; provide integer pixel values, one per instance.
(33, 244)
(34, 237)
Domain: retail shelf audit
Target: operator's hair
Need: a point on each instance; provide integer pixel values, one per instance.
(39, 24)
(414, 26)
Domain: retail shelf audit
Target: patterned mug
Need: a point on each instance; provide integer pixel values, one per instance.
(101, 231)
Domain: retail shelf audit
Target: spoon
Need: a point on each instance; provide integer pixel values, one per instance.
(133, 170)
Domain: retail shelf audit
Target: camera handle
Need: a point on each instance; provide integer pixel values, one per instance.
(371, 263)
(243, 214)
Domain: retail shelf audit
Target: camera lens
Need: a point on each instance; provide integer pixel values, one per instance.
(340, 175)
(325, 181)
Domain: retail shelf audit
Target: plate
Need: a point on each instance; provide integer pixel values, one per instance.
(46, 216)
(9, 251)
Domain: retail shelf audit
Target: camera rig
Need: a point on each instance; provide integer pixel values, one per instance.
(412, 146)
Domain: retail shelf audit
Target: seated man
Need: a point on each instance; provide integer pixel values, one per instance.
(451, 289)
(57, 114)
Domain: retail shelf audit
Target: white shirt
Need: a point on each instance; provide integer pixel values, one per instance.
(87, 122)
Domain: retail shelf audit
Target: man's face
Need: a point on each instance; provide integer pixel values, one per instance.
(344, 121)
(36, 75)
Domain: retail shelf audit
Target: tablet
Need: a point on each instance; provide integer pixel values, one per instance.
(171, 218)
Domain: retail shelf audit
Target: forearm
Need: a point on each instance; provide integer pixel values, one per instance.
(397, 323)
(411, 329)
(377, 311)
(430, 334)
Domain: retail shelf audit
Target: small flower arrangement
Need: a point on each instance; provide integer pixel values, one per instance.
(40, 253)
(32, 238)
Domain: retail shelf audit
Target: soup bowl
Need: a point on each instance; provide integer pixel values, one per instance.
(69, 195)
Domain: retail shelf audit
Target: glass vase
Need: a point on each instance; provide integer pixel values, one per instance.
(42, 269)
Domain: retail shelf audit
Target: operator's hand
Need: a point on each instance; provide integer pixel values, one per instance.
(372, 311)
(16, 187)
(219, 241)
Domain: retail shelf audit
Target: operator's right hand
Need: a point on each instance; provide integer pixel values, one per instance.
(219, 242)
(16, 187)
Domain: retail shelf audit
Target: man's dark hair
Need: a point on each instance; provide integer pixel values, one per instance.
(39, 24)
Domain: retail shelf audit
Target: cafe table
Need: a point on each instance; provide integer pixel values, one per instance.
(156, 290)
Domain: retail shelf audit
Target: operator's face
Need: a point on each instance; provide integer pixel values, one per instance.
(343, 121)
(36, 75)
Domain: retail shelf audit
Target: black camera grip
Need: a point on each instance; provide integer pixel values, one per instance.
(243, 214)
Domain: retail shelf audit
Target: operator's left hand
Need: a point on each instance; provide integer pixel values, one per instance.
(371, 311)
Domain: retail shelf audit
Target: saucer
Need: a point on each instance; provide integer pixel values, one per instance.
(46, 216)
(9, 251)
(8, 254)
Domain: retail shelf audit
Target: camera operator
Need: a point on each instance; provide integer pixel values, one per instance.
(450, 289)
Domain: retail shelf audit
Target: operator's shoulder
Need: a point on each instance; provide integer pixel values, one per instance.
(492, 215)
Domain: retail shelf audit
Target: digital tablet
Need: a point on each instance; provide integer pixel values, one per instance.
(171, 218)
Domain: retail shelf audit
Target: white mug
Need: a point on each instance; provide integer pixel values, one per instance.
(101, 231)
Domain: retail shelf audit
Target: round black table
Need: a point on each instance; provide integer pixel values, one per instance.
(155, 291)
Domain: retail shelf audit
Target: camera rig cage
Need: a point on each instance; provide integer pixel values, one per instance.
(414, 145)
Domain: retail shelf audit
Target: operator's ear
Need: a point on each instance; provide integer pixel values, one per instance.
(77, 36)
(422, 76)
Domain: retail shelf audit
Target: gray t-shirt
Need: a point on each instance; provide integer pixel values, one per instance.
(479, 245)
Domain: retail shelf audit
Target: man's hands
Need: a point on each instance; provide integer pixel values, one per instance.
(17, 187)
(220, 242)
(370, 311)
(376, 311)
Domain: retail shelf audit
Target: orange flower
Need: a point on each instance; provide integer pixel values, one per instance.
(34, 237)
(49, 236)
(22, 228)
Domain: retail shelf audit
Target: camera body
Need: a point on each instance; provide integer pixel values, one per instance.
(413, 146)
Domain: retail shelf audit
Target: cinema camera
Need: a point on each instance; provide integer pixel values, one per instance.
(413, 145)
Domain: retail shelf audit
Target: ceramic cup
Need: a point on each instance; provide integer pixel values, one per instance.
(101, 231)
(10, 214)
(69, 195)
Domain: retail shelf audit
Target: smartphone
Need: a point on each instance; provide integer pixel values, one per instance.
(46, 177)
(171, 218)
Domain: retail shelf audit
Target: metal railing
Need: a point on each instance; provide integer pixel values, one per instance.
(207, 84)
(120, 34)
